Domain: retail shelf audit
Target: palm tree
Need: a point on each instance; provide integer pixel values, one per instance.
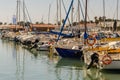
(1, 23)
(37, 23)
(5, 23)
(100, 20)
(96, 20)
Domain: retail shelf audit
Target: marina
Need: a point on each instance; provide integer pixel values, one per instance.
(75, 47)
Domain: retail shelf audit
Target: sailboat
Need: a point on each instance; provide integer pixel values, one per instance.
(23, 19)
(76, 52)
(68, 35)
(106, 55)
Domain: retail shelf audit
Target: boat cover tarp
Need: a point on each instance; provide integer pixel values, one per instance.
(62, 34)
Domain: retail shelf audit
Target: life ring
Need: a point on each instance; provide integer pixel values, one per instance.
(88, 40)
(106, 59)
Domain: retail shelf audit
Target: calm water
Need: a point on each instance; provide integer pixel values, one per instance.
(17, 63)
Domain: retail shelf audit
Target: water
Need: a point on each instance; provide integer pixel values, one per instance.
(18, 63)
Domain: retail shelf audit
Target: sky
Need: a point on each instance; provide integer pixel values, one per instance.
(36, 8)
(39, 9)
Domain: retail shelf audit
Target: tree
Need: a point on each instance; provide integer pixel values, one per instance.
(104, 18)
(37, 23)
(96, 20)
(1, 23)
(10, 23)
(5, 23)
(59, 23)
(75, 23)
(91, 21)
(27, 24)
(21, 23)
(42, 22)
(82, 22)
(100, 19)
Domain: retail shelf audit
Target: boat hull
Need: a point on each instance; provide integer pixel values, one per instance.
(115, 64)
(43, 48)
(69, 53)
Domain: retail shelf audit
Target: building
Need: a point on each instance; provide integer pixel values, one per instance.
(34, 27)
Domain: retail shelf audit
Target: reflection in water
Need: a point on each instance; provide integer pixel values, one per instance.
(18, 57)
(96, 74)
(69, 69)
(34, 52)
(111, 75)
(20, 62)
(39, 65)
(93, 74)
(72, 63)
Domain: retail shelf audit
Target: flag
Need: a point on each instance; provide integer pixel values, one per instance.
(14, 19)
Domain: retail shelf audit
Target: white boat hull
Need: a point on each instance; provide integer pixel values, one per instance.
(43, 48)
(115, 64)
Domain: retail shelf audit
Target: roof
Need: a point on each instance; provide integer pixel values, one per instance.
(44, 25)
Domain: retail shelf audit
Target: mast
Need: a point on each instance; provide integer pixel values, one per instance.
(49, 16)
(85, 32)
(22, 16)
(19, 11)
(104, 13)
(17, 14)
(72, 18)
(60, 10)
(23, 13)
(86, 15)
(81, 9)
(117, 9)
(65, 19)
(78, 11)
(115, 23)
(57, 12)
(65, 10)
(72, 15)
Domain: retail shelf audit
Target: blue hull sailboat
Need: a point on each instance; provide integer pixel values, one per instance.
(65, 52)
(69, 53)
